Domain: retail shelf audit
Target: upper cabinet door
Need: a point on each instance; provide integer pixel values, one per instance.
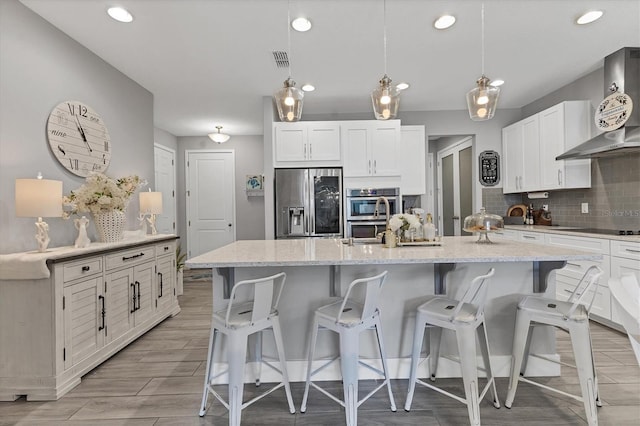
(385, 144)
(370, 148)
(531, 154)
(412, 140)
(512, 158)
(552, 145)
(290, 142)
(356, 137)
(324, 141)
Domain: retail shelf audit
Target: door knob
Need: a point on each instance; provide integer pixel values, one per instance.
(456, 218)
(229, 225)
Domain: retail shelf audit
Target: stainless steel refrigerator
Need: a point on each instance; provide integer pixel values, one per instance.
(308, 203)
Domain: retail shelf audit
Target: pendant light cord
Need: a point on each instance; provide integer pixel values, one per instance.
(384, 26)
(482, 29)
(289, 35)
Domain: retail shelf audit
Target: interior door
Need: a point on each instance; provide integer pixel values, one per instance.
(210, 200)
(165, 174)
(455, 183)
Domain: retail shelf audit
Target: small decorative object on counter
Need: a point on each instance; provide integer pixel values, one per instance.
(483, 223)
(429, 229)
(83, 239)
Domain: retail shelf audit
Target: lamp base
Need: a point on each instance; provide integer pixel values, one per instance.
(42, 235)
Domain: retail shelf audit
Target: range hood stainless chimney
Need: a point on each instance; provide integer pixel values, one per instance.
(621, 71)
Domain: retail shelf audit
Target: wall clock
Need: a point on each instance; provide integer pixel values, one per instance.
(78, 138)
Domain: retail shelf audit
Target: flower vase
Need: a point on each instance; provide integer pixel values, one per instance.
(110, 225)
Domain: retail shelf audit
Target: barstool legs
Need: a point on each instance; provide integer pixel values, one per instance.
(312, 349)
(277, 334)
(584, 363)
(418, 337)
(349, 350)
(209, 372)
(385, 367)
(236, 350)
(520, 337)
(466, 338)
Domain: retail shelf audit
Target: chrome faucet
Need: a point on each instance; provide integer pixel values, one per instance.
(386, 205)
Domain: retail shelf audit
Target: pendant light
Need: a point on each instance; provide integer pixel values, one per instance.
(219, 137)
(289, 97)
(482, 100)
(385, 97)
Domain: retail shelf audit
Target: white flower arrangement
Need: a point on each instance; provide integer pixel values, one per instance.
(101, 194)
(402, 221)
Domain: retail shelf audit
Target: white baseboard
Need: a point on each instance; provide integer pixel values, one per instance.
(398, 369)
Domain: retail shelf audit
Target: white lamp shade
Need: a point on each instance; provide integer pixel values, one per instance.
(219, 137)
(482, 100)
(151, 202)
(38, 198)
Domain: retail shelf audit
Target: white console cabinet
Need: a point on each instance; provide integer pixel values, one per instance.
(71, 309)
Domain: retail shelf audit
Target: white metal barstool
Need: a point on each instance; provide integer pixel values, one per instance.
(349, 318)
(625, 292)
(571, 316)
(465, 317)
(237, 322)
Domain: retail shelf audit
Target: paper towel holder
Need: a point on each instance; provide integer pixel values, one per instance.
(537, 195)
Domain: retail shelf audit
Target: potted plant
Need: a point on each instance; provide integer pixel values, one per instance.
(180, 258)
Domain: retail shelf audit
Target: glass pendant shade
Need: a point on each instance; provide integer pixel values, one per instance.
(482, 100)
(289, 101)
(385, 99)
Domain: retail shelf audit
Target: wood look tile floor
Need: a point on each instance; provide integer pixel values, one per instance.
(158, 381)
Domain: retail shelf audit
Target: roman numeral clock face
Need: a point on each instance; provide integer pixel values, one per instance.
(79, 138)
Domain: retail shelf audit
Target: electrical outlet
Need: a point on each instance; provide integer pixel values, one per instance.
(585, 207)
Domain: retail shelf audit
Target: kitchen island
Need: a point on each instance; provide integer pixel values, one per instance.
(319, 269)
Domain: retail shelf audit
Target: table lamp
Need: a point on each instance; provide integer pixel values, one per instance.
(150, 205)
(39, 198)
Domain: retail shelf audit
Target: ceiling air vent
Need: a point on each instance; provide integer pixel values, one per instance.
(281, 58)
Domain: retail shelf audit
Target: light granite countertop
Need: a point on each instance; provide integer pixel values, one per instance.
(301, 252)
(568, 230)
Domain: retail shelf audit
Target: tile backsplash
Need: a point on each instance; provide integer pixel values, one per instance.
(613, 199)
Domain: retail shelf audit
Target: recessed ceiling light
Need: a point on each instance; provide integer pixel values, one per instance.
(497, 82)
(308, 87)
(120, 14)
(301, 24)
(589, 17)
(444, 22)
(402, 86)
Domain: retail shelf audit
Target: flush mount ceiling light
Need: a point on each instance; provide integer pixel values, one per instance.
(589, 17)
(308, 87)
(496, 83)
(219, 137)
(482, 100)
(289, 98)
(402, 86)
(385, 98)
(301, 24)
(444, 22)
(120, 14)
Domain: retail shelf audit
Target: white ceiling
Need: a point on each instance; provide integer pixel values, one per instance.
(209, 62)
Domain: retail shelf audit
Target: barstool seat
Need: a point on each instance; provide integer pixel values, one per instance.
(237, 322)
(571, 316)
(349, 318)
(466, 318)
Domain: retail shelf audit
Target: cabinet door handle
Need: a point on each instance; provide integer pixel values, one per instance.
(375, 167)
(310, 151)
(139, 298)
(632, 250)
(574, 265)
(133, 289)
(520, 177)
(125, 258)
(86, 268)
(304, 150)
(528, 237)
(160, 274)
(516, 178)
(559, 177)
(369, 166)
(166, 248)
(102, 312)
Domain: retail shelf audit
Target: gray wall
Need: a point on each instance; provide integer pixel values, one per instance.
(40, 67)
(249, 155)
(165, 138)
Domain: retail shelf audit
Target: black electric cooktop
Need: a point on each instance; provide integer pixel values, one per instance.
(605, 231)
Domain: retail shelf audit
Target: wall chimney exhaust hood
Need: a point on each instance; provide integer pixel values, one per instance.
(621, 75)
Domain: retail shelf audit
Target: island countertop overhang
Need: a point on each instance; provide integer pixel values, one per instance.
(327, 252)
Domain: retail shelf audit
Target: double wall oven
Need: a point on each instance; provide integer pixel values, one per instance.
(361, 221)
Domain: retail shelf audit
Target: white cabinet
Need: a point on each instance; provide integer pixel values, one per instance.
(302, 144)
(530, 148)
(370, 148)
(413, 143)
(625, 259)
(94, 301)
(562, 127)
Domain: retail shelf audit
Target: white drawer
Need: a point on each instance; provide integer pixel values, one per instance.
(597, 245)
(532, 237)
(507, 234)
(168, 247)
(575, 269)
(601, 303)
(81, 268)
(626, 249)
(130, 257)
